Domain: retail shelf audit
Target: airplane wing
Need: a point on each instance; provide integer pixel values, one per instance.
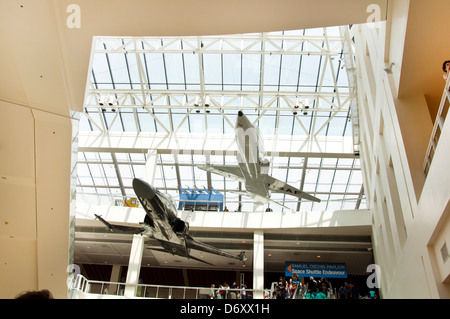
(197, 245)
(228, 171)
(240, 192)
(276, 203)
(121, 228)
(278, 186)
(190, 256)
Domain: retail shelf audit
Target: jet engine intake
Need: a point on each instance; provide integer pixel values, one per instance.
(179, 226)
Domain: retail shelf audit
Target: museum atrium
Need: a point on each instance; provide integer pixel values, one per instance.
(179, 97)
(341, 116)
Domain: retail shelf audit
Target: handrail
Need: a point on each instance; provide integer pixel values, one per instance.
(117, 289)
(97, 287)
(438, 124)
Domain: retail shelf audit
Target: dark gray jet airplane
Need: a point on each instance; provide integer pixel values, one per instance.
(162, 224)
(253, 166)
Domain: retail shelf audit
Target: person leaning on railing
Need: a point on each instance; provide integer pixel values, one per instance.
(446, 69)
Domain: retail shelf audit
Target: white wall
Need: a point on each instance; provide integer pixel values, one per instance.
(233, 220)
(410, 219)
(34, 200)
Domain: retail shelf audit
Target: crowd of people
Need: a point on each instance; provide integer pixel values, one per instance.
(317, 289)
(351, 291)
(226, 291)
(295, 289)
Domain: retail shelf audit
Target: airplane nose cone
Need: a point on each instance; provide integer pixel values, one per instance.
(143, 189)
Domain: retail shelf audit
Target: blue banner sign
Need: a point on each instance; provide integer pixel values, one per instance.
(307, 269)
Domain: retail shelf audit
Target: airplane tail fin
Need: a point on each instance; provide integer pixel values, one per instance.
(120, 228)
(100, 218)
(242, 257)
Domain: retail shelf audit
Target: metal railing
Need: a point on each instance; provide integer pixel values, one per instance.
(104, 289)
(81, 287)
(301, 291)
(437, 127)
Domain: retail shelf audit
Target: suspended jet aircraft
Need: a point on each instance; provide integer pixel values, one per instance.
(162, 224)
(253, 166)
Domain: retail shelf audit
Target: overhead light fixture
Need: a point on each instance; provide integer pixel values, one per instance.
(207, 100)
(101, 100)
(306, 108)
(296, 105)
(197, 103)
(112, 100)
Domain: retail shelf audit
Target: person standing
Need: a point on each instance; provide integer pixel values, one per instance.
(283, 290)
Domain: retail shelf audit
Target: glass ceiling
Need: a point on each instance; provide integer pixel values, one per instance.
(292, 83)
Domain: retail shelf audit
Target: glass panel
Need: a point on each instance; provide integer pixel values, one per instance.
(251, 65)
(224, 72)
(290, 70)
(100, 69)
(119, 69)
(212, 68)
(174, 68)
(128, 121)
(155, 68)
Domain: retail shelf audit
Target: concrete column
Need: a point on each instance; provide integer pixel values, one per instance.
(150, 166)
(258, 263)
(134, 265)
(185, 277)
(137, 247)
(115, 277)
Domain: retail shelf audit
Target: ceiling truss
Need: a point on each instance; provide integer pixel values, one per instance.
(125, 95)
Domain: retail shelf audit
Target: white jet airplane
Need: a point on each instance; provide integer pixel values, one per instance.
(253, 166)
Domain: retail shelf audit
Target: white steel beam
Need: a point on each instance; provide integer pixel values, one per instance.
(213, 144)
(254, 44)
